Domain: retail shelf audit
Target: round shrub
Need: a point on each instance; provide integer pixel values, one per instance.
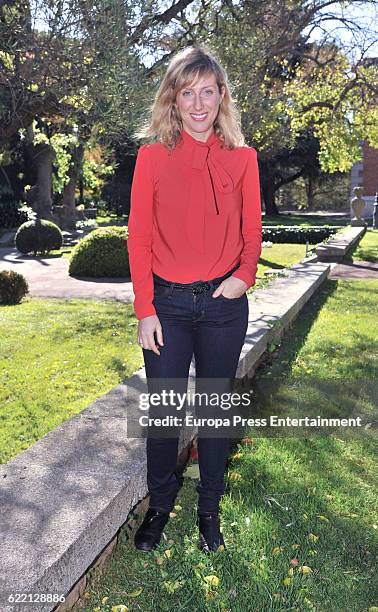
(38, 236)
(13, 287)
(101, 253)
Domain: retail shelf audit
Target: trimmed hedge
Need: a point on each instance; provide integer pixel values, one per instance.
(38, 236)
(13, 287)
(296, 234)
(102, 253)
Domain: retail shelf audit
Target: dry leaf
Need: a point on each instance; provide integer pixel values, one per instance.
(212, 580)
(304, 569)
(313, 538)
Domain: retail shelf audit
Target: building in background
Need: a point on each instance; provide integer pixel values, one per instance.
(365, 173)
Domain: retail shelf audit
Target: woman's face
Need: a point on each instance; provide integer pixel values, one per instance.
(198, 105)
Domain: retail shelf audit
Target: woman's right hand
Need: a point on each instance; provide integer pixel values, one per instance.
(146, 329)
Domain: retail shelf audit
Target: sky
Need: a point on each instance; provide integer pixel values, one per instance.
(363, 14)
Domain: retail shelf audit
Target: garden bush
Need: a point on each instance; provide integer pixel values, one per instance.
(101, 253)
(13, 287)
(298, 234)
(39, 236)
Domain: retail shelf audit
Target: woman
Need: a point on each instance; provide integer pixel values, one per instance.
(194, 243)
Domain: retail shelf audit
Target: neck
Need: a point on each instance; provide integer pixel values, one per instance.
(200, 136)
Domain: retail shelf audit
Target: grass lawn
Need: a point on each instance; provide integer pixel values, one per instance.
(56, 357)
(277, 257)
(299, 515)
(367, 249)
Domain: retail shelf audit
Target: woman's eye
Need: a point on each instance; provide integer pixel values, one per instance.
(208, 92)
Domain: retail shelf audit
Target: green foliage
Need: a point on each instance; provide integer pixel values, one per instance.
(39, 236)
(62, 145)
(103, 253)
(297, 234)
(338, 105)
(12, 212)
(13, 287)
(94, 172)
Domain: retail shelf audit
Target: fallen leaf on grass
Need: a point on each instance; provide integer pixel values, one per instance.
(237, 456)
(234, 476)
(135, 593)
(305, 569)
(313, 538)
(173, 586)
(247, 441)
(212, 580)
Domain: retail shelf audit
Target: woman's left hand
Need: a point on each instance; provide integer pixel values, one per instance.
(231, 287)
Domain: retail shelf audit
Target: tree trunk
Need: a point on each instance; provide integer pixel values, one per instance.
(267, 179)
(310, 189)
(68, 197)
(39, 196)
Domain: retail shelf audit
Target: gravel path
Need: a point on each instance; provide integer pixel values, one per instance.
(48, 277)
(356, 269)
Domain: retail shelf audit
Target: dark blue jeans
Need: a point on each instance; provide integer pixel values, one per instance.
(213, 329)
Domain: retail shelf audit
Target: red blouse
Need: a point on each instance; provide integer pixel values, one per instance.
(195, 213)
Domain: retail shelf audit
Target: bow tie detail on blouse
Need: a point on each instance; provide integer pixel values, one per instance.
(209, 181)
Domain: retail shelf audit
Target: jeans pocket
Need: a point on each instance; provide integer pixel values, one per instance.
(161, 291)
(227, 299)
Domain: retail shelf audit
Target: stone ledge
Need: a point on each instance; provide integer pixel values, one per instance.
(65, 498)
(339, 246)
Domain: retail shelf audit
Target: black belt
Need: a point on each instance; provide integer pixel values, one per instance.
(196, 286)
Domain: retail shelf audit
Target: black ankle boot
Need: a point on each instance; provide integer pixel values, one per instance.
(210, 534)
(148, 534)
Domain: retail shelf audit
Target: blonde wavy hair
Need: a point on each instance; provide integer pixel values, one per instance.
(164, 122)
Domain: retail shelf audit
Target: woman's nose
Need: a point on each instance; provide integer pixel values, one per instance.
(198, 104)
